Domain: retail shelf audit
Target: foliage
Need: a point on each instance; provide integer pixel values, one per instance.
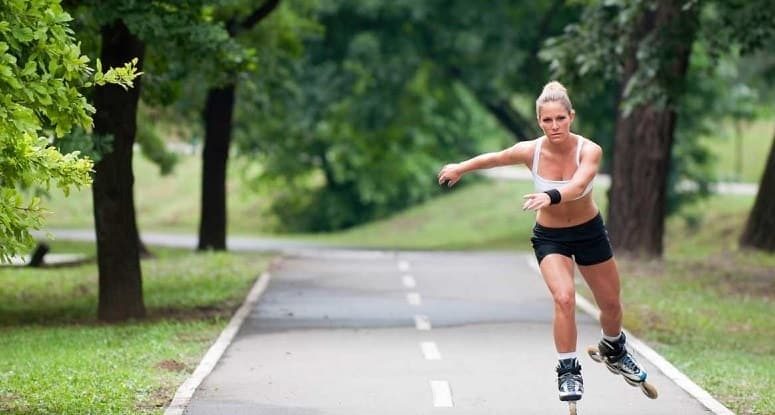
(357, 138)
(592, 52)
(388, 94)
(179, 34)
(41, 71)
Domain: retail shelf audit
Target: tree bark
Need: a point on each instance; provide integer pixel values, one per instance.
(120, 278)
(218, 114)
(759, 231)
(644, 137)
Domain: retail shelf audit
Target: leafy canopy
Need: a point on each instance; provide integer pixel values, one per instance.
(42, 71)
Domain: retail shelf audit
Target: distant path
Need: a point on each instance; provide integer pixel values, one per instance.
(522, 173)
(173, 240)
(386, 333)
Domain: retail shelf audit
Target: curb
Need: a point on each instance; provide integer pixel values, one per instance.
(186, 391)
(662, 364)
(654, 358)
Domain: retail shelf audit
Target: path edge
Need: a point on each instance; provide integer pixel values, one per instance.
(186, 390)
(662, 364)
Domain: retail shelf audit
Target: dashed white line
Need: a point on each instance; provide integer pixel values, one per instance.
(403, 266)
(408, 281)
(422, 322)
(442, 394)
(430, 351)
(414, 299)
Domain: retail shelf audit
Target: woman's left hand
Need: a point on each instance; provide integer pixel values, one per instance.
(535, 201)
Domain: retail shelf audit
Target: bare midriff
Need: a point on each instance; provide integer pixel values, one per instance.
(568, 214)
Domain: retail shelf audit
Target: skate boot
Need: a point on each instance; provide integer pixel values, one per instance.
(569, 380)
(620, 361)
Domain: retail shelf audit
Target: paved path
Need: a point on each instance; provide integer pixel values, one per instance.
(410, 333)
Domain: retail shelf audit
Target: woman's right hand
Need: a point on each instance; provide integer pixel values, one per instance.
(450, 174)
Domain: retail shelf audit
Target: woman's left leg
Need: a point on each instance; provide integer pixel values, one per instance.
(603, 280)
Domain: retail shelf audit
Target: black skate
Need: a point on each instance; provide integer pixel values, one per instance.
(620, 362)
(570, 383)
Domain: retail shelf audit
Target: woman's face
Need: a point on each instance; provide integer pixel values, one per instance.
(555, 121)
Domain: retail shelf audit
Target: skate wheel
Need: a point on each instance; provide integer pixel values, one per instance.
(572, 408)
(594, 353)
(649, 390)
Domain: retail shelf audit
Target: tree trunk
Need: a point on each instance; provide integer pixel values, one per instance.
(759, 231)
(218, 113)
(120, 278)
(512, 120)
(644, 137)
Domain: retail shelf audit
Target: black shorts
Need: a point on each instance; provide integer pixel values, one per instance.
(587, 243)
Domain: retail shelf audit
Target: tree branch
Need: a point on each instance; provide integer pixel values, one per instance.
(508, 116)
(257, 15)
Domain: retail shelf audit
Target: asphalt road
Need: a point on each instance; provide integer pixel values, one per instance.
(373, 333)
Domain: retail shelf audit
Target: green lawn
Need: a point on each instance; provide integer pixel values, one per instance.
(56, 359)
(708, 307)
(741, 154)
(166, 203)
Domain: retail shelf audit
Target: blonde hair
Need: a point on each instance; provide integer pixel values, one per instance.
(553, 92)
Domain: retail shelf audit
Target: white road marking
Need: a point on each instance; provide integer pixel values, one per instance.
(414, 299)
(442, 395)
(403, 266)
(430, 351)
(408, 281)
(422, 322)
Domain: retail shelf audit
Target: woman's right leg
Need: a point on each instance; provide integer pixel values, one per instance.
(557, 271)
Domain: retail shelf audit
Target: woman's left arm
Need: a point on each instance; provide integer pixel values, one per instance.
(591, 155)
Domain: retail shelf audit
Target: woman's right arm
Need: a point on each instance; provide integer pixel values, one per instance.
(519, 153)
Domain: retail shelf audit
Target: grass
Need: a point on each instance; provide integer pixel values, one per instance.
(56, 358)
(166, 203)
(707, 307)
(746, 164)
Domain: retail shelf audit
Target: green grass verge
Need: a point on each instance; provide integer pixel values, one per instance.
(171, 203)
(166, 203)
(485, 215)
(741, 153)
(707, 307)
(56, 358)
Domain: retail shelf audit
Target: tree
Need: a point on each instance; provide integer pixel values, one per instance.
(118, 255)
(392, 89)
(750, 25)
(645, 131)
(218, 117)
(493, 51)
(645, 46)
(41, 72)
(180, 31)
(759, 230)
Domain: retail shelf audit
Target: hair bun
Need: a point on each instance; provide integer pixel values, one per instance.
(555, 86)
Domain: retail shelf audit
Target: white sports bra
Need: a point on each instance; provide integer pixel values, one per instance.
(541, 184)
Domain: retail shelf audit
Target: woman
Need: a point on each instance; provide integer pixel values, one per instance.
(568, 228)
